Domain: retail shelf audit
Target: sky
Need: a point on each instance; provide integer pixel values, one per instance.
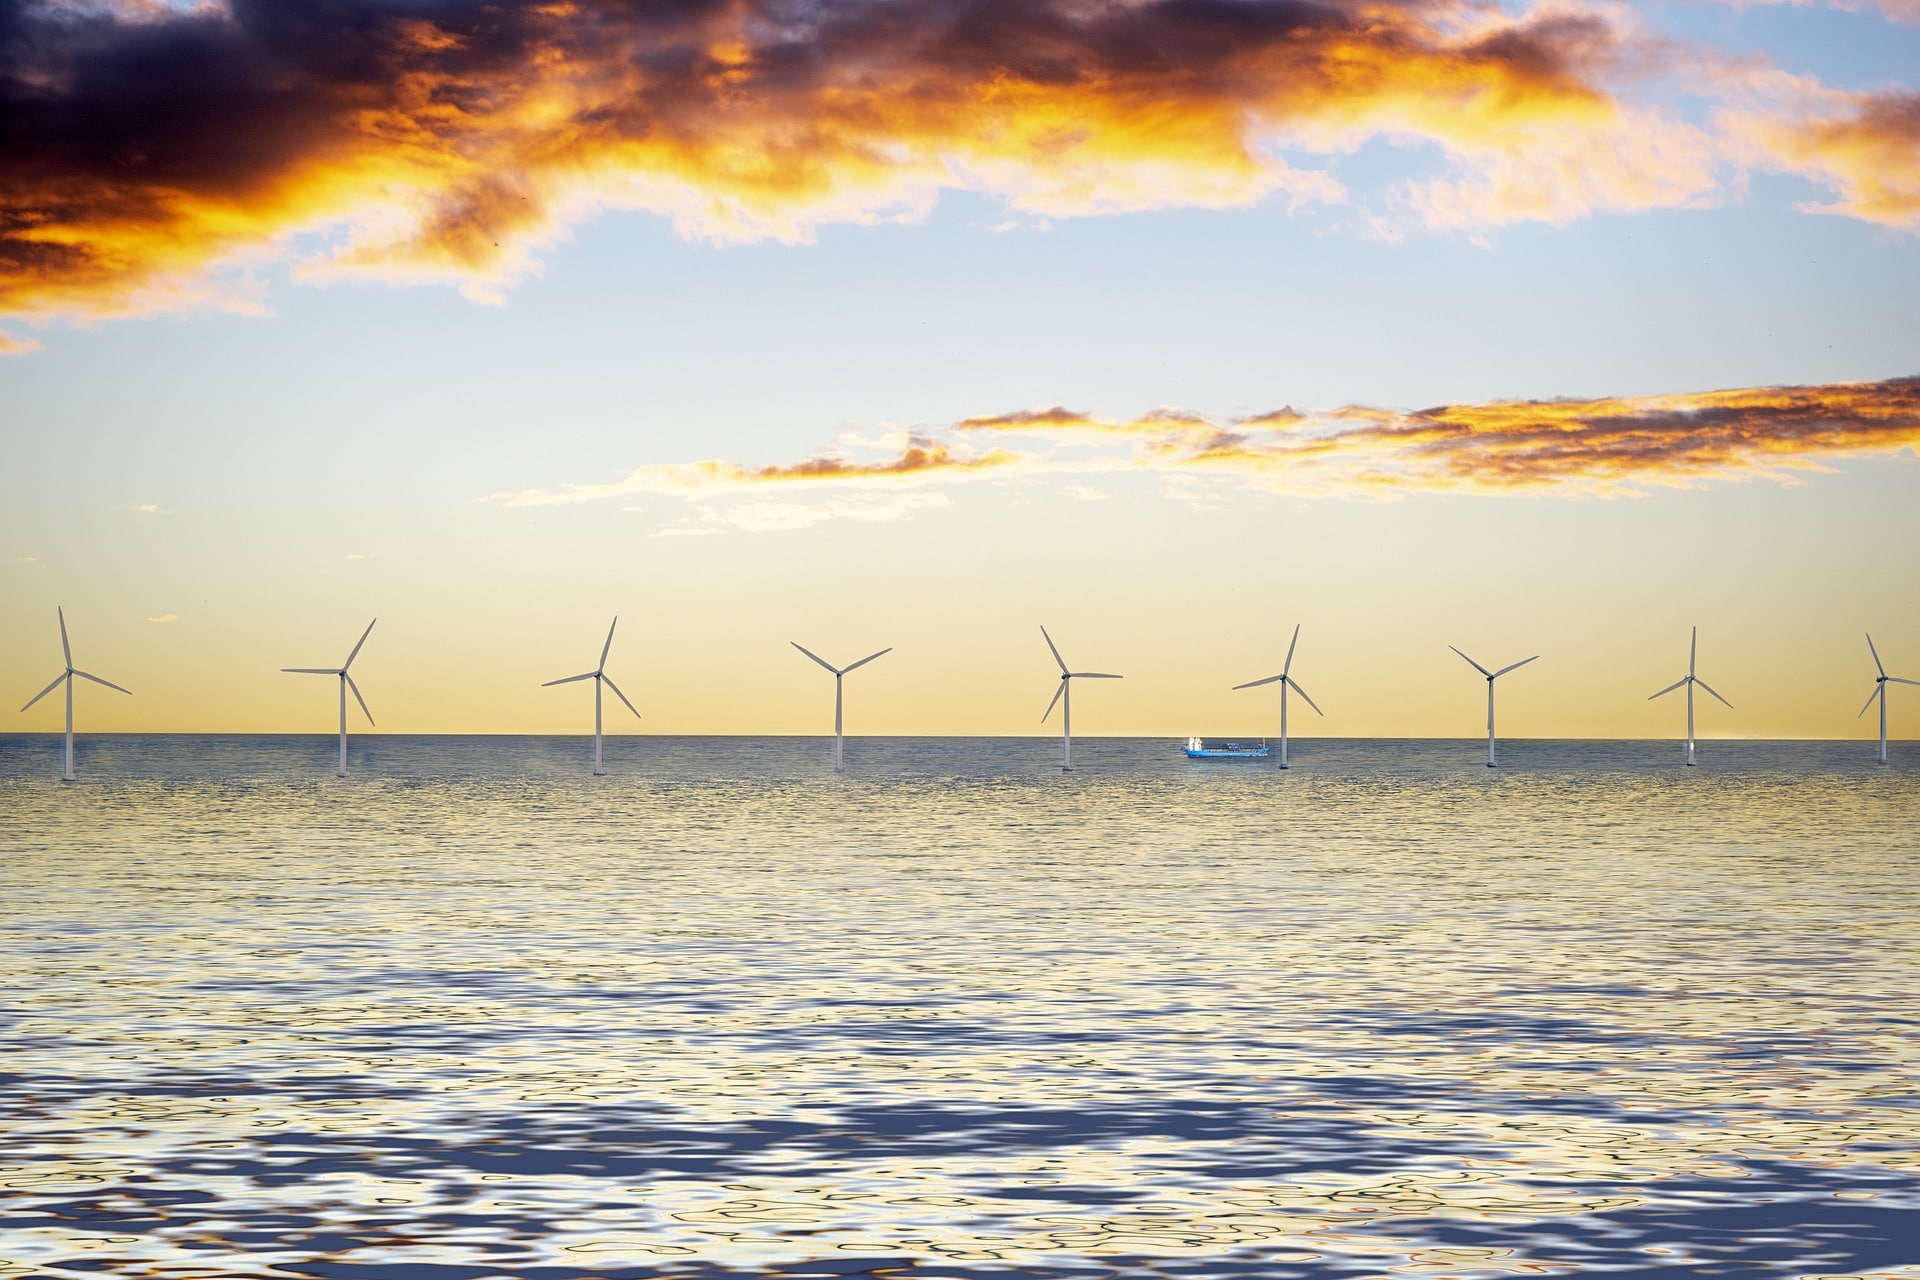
(1556, 328)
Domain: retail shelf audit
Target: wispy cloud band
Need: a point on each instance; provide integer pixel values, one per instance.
(1607, 446)
(919, 458)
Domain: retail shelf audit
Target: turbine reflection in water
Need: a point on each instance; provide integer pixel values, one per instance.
(468, 1014)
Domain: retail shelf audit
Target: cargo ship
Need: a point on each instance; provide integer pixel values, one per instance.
(1225, 749)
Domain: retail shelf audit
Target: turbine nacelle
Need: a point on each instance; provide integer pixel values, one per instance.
(1495, 675)
(839, 671)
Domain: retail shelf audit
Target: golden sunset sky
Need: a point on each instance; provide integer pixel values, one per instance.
(1550, 328)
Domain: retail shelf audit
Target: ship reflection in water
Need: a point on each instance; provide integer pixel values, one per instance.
(475, 1013)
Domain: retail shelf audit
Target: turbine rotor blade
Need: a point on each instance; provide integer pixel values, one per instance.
(356, 695)
(588, 675)
(65, 648)
(1875, 652)
(623, 697)
(97, 680)
(1056, 650)
(607, 648)
(1693, 649)
(1095, 675)
(1514, 666)
(816, 657)
(1255, 684)
(356, 650)
(1476, 666)
(312, 671)
(869, 658)
(1709, 688)
(1879, 691)
(1287, 666)
(1901, 680)
(44, 692)
(1057, 691)
(1669, 689)
(1303, 693)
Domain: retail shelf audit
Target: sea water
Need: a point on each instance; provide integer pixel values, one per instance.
(472, 1012)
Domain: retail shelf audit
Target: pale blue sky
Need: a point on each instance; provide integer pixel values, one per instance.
(365, 419)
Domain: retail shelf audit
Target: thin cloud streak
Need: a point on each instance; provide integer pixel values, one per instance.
(1905, 11)
(1615, 446)
(918, 459)
(775, 517)
(152, 149)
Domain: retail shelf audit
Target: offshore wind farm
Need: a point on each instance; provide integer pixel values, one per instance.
(1284, 359)
(1062, 697)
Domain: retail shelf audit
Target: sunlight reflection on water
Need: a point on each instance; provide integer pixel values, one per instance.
(472, 1013)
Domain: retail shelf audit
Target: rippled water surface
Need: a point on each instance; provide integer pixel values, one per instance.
(473, 1013)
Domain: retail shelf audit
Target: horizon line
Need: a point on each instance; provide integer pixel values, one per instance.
(329, 735)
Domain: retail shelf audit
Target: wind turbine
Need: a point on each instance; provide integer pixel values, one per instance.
(599, 677)
(346, 683)
(1690, 680)
(1491, 677)
(839, 737)
(1065, 691)
(1285, 680)
(66, 678)
(1879, 691)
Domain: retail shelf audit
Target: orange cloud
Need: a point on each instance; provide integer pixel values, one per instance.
(1605, 446)
(1618, 443)
(919, 459)
(1865, 147)
(150, 147)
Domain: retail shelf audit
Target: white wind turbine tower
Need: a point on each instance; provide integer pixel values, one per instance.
(1065, 691)
(599, 677)
(346, 683)
(839, 737)
(1491, 677)
(66, 678)
(1286, 681)
(1690, 680)
(1879, 691)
